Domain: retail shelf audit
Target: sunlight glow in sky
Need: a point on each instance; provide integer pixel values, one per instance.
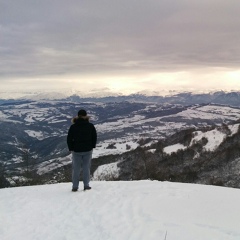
(121, 46)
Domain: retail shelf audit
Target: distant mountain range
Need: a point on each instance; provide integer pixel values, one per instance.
(185, 98)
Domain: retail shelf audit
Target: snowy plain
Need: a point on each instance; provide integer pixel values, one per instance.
(136, 210)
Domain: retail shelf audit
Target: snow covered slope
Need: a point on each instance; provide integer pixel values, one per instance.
(214, 138)
(120, 210)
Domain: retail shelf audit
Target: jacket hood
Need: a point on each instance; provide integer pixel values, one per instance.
(75, 119)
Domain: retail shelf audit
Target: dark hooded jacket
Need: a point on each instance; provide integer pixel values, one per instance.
(82, 136)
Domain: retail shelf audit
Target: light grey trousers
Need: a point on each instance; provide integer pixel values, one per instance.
(81, 160)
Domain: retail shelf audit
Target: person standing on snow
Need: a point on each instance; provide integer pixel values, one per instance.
(81, 139)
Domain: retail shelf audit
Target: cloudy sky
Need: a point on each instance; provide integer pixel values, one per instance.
(127, 45)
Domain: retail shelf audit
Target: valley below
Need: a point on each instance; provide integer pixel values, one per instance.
(33, 137)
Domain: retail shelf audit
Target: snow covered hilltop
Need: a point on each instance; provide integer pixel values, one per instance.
(135, 210)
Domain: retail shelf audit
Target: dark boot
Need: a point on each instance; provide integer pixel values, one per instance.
(87, 188)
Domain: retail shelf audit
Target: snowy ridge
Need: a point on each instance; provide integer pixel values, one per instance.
(214, 138)
(173, 148)
(60, 94)
(106, 171)
(52, 94)
(136, 210)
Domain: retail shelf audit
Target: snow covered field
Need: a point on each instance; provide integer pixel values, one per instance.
(119, 211)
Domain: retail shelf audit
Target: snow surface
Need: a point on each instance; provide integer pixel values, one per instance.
(55, 163)
(214, 137)
(210, 112)
(234, 128)
(221, 110)
(136, 210)
(106, 171)
(173, 148)
(120, 146)
(35, 134)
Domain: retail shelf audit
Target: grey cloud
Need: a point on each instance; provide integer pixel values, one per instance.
(79, 37)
